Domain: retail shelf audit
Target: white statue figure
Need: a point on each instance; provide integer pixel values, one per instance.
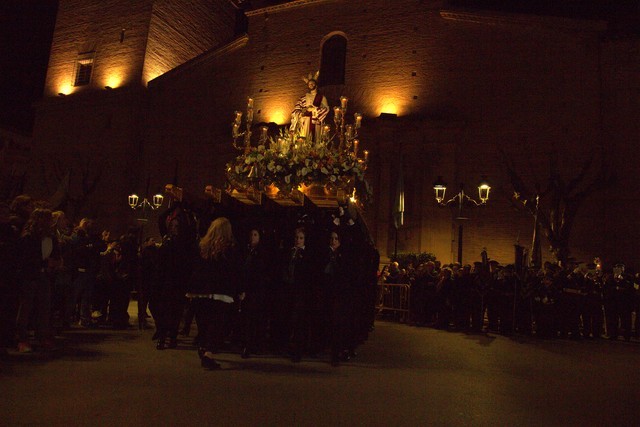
(310, 110)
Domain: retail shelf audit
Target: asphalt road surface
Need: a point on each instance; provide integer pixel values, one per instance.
(401, 376)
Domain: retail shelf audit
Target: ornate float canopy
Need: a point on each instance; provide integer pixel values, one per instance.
(307, 158)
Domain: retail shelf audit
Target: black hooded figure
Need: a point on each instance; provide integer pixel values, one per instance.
(337, 269)
(255, 276)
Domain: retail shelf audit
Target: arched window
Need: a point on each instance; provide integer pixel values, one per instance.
(334, 57)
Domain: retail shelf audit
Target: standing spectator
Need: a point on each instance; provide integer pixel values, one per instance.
(636, 305)
(175, 261)
(85, 250)
(545, 305)
(21, 208)
(593, 318)
(38, 257)
(8, 284)
(126, 277)
(63, 281)
(148, 276)
(444, 289)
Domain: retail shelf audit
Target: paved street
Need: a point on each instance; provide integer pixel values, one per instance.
(402, 376)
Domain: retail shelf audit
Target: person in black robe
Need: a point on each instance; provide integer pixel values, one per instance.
(253, 308)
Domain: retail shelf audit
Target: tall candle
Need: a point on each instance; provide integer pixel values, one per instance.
(349, 132)
(355, 147)
(358, 118)
(249, 102)
(366, 155)
(343, 101)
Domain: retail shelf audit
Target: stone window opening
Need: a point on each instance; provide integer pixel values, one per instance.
(84, 68)
(333, 62)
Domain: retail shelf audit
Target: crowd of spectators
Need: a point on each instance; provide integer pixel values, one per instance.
(576, 301)
(54, 275)
(306, 290)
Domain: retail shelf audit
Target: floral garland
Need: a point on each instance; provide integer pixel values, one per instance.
(259, 167)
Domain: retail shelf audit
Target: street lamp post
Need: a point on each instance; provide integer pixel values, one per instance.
(440, 188)
(135, 203)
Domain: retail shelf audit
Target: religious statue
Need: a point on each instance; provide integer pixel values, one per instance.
(310, 111)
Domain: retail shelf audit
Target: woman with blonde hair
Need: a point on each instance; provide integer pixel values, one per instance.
(213, 287)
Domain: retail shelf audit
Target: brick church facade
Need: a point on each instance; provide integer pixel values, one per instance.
(444, 91)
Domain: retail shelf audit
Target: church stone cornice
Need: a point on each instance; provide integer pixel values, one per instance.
(285, 6)
(523, 21)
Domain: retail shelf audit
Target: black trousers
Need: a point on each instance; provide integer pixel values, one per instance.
(167, 307)
(212, 317)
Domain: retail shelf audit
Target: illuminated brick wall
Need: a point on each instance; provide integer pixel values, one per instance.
(463, 85)
(99, 128)
(97, 26)
(180, 31)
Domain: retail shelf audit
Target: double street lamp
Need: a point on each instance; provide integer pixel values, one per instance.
(144, 204)
(155, 203)
(461, 199)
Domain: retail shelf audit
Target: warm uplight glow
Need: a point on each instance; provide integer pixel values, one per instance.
(65, 89)
(277, 116)
(113, 81)
(389, 107)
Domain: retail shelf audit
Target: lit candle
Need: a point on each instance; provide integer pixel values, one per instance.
(366, 155)
(238, 116)
(337, 112)
(249, 102)
(249, 115)
(343, 102)
(349, 132)
(263, 135)
(355, 147)
(358, 118)
(236, 127)
(326, 129)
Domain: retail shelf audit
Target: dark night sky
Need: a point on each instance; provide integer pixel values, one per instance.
(26, 29)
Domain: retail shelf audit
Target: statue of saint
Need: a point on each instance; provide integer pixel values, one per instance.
(310, 110)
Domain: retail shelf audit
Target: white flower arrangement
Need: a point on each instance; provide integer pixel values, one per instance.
(288, 169)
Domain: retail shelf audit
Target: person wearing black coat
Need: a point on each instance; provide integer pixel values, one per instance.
(38, 256)
(214, 286)
(175, 264)
(8, 285)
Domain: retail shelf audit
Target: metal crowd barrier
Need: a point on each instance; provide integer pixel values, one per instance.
(394, 298)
